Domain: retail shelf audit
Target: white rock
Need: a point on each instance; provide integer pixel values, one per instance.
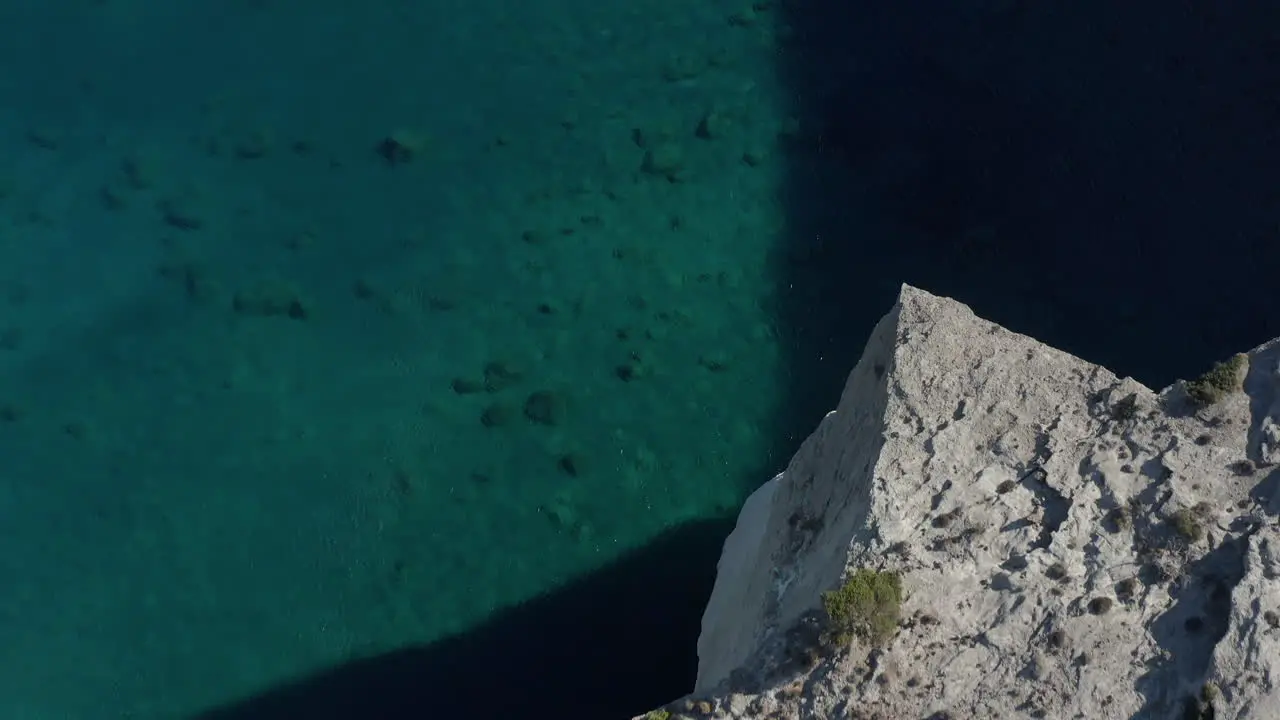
(1021, 451)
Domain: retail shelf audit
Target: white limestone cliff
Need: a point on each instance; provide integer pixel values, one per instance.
(1070, 544)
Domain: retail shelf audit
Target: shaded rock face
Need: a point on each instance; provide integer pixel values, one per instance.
(1070, 544)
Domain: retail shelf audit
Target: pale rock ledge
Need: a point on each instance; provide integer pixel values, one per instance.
(1071, 544)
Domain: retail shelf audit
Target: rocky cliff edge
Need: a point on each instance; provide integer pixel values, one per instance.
(1033, 536)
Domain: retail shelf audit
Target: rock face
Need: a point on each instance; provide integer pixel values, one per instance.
(1069, 544)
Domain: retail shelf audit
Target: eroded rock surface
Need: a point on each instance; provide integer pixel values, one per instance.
(1071, 544)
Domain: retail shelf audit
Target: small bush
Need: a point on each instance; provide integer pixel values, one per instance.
(1100, 605)
(866, 606)
(1216, 384)
(1210, 692)
(1121, 518)
(1126, 408)
(1188, 525)
(1126, 589)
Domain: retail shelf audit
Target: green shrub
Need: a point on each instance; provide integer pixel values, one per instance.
(1216, 384)
(866, 606)
(1188, 525)
(1126, 408)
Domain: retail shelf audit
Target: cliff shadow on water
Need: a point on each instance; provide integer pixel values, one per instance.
(605, 646)
(1097, 176)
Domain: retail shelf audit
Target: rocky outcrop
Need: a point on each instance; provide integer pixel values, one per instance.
(1069, 544)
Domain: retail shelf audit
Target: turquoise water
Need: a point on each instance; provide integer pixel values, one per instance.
(412, 359)
(276, 401)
